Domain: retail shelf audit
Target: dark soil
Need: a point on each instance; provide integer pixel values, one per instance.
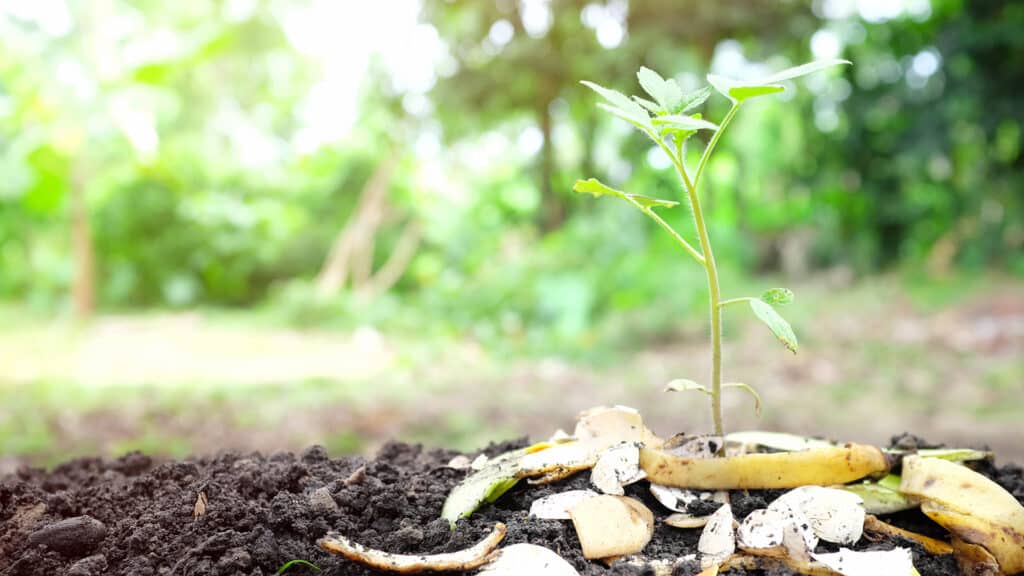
(136, 516)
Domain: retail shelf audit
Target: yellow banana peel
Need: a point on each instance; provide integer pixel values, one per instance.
(819, 466)
(972, 507)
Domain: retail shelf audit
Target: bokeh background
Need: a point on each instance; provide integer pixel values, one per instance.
(260, 224)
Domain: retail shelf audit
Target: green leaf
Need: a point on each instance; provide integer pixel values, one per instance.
(650, 106)
(777, 296)
(750, 389)
(598, 188)
(740, 90)
(804, 70)
(681, 122)
(692, 100)
(666, 93)
(621, 106)
(684, 385)
(777, 324)
(291, 563)
(881, 496)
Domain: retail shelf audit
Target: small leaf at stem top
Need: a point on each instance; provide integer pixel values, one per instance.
(620, 105)
(777, 324)
(666, 93)
(683, 122)
(692, 100)
(777, 296)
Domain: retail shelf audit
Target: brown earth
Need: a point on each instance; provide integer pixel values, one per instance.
(136, 516)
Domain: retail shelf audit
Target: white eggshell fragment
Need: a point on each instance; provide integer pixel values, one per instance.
(681, 520)
(616, 467)
(603, 427)
(612, 526)
(761, 530)
(519, 559)
(673, 498)
(834, 515)
(895, 562)
(556, 506)
(718, 540)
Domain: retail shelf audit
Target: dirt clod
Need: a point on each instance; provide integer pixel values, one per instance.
(71, 537)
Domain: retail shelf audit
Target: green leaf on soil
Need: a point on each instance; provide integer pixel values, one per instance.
(776, 296)
(777, 324)
(597, 188)
(295, 562)
(882, 496)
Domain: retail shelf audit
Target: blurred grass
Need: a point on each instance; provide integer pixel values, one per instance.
(458, 392)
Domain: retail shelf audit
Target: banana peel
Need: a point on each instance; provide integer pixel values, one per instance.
(819, 466)
(975, 509)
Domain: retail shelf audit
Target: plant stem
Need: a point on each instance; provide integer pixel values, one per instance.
(714, 141)
(731, 301)
(714, 292)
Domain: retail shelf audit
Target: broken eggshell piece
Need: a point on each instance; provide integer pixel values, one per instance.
(519, 559)
(612, 526)
(895, 562)
(718, 540)
(834, 515)
(556, 506)
(616, 467)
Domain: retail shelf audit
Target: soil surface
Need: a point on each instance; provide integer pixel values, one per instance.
(248, 514)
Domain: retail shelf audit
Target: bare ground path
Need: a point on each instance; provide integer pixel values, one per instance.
(872, 363)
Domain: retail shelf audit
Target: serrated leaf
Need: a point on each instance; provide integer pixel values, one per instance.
(597, 188)
(777, 324)
(777, 296)
(751, 390)
(684, 385)
(651, 107)
(681, 122)
(692, 100)
(621, 106)
(740, 90)
(666, 93)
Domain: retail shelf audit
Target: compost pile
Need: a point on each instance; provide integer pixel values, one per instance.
(249, 514)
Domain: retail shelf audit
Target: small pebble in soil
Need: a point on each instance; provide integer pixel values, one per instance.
(321, 501)
(72, 537)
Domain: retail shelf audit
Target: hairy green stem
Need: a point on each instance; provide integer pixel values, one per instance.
(710, 268)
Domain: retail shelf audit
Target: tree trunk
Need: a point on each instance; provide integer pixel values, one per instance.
(552, 209)
(83, 284)
(353, 246)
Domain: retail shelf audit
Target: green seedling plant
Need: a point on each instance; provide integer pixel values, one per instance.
(669, 119)
(297, 562)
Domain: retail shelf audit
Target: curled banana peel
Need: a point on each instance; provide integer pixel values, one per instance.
(975, 509)
(819, 466)
(769, 563)
(468, 559)
(874, 525)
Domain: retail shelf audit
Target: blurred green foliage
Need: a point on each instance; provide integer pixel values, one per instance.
(182, 127)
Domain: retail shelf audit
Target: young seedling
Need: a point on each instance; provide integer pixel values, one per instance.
(669, 120)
